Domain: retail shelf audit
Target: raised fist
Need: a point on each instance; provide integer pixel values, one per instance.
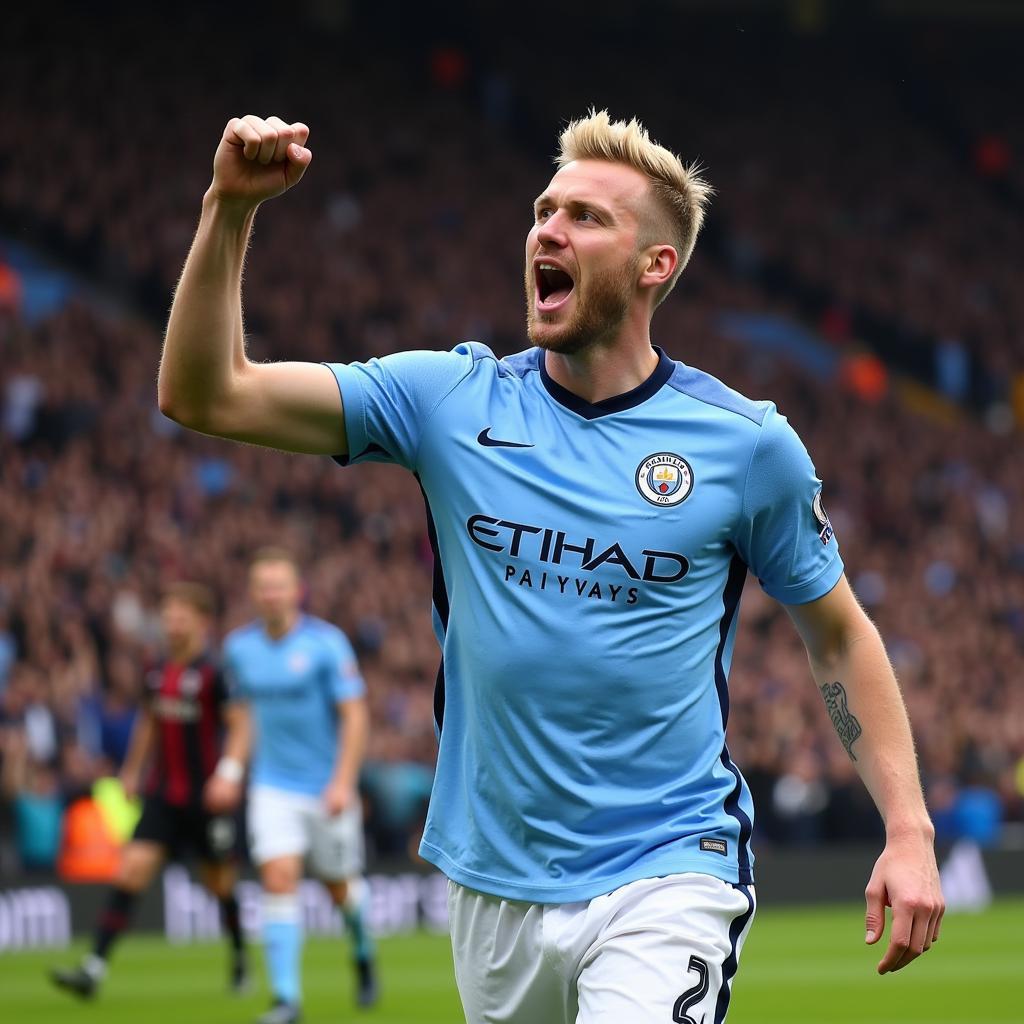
(259, 158)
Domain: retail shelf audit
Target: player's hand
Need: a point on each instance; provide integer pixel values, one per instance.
(258, 159)
(905, 878)
(221, 795)
(129, 784)
(337, 797)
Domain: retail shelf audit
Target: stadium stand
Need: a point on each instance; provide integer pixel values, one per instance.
(884, 238)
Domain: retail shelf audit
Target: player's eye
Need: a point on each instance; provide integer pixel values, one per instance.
(586, 216)
(543, 213)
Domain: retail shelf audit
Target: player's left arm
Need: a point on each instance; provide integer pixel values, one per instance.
(353, 734)
(140, 748)
(223, 790)
(864, 702)
(14, 758)
(348, 691)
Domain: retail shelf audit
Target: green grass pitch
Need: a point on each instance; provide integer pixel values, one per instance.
(799, 967)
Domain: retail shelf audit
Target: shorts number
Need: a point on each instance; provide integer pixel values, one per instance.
(694, 995)
(221, 834)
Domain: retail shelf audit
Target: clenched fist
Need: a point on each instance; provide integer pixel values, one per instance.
(259, 158)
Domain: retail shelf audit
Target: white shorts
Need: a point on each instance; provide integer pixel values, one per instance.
(283, 824)
(660, 949)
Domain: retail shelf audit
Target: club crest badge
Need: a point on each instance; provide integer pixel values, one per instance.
(664, 479)
(190, 683)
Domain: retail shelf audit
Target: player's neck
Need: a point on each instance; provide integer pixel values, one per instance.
(604, 370)
(277, 628)
(187, 652)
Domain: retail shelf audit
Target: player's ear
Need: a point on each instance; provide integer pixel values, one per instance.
(657, 265)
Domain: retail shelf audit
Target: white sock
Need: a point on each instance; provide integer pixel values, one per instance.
(95, 966)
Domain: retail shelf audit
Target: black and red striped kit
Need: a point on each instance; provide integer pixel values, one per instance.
(187, 705)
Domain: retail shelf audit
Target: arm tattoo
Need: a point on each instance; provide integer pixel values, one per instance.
(844, 721)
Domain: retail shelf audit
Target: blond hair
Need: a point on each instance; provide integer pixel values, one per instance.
(680, 193)
(272, 553)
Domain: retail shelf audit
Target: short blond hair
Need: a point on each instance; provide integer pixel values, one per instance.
(274, 553)
(679, 191)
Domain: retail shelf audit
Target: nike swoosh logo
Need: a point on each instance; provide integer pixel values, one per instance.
(484, 438)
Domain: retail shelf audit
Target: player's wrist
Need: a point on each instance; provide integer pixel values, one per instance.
(916, 827)
(232, 211)
(230, 769)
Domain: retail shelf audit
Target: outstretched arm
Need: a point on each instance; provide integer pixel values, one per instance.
(353, 734)
(13, 761)
(864, 702)
(206, 380)
(139, 748)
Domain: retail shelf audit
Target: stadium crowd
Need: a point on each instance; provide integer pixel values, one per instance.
(407, 233)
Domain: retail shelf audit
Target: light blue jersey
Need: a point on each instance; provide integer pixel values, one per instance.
(589, 570)
(293, 686)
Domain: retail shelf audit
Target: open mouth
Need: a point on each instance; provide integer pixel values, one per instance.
(554, 286)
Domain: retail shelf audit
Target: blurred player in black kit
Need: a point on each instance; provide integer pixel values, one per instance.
(180, 732)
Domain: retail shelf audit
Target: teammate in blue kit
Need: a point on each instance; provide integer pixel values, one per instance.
(297, 676)
(594, 508)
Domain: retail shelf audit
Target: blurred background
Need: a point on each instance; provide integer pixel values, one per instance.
(862, 267)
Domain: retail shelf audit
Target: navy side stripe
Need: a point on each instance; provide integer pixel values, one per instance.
(439, 697)
(733, 808)
(440, 598)
(730, 602)
(732, 960)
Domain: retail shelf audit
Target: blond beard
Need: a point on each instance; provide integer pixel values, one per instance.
(601, 309)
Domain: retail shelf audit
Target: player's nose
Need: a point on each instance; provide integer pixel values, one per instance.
(552, 232)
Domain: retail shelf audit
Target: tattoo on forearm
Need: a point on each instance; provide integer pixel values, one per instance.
(845, 722)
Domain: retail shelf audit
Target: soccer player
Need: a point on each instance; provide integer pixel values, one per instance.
(594, 507)
(297, 677)
(178, 732)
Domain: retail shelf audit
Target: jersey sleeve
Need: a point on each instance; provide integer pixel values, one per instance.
(389, 401)
(785, 536)
(346, 682)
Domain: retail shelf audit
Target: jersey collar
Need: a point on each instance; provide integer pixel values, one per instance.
(617, 403)
(296, 626)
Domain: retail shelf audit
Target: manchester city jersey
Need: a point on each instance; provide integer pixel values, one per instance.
(293, 685)
(589, 564)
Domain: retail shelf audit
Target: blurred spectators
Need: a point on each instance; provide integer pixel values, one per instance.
(32, 788)
(836, 205)
(98, 521)
(10, 290)
(8, 649)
